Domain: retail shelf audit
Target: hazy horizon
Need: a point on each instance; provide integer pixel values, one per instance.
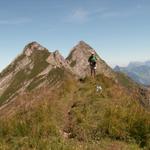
(118, 30)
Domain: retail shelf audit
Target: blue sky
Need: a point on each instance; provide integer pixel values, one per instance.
(118, 29)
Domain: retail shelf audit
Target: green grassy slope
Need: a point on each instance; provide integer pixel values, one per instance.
(76, 117)
(120, 117)
(12, 66)
(39, 63)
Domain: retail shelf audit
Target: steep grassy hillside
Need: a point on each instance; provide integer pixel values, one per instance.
(35, 67)
(77, 117)
(111, 114)
(38, 58)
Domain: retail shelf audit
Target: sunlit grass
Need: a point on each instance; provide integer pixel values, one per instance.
(92, 120)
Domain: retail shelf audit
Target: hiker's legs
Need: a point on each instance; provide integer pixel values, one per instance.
(91, 71)
(93, 68)
(94, 71)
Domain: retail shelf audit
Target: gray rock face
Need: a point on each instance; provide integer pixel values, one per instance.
(31, 47)
(78, 60)
(57, 60)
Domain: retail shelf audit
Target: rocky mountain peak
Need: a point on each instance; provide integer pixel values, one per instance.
(58, 57)
(31, 47)
(82, 46)
(57, 60)
(78, 60)
(83, 43)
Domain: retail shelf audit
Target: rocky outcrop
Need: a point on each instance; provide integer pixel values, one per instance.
(31, 47)
(29, 70)
(78, 60)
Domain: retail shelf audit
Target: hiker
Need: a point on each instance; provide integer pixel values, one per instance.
(92, 61)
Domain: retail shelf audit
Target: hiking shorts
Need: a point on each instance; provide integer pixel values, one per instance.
(93, 65)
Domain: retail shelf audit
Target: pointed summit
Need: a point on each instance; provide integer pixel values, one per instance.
(31, 47)
(57, 60)
(84, 44)
(78, 60)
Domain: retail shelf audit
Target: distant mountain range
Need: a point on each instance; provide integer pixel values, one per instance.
(138, 71)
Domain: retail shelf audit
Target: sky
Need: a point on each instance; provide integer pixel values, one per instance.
(119, 30)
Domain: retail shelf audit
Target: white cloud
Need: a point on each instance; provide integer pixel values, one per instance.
(15, 21)
(79, 15)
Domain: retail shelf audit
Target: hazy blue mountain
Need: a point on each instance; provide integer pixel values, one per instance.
(138, 71)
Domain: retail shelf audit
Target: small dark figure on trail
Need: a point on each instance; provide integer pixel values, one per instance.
(92, 61)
